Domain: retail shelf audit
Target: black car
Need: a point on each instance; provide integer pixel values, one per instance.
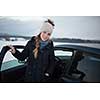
(73, 64)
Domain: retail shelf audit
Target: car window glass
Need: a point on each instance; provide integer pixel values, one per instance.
(10, 64)
(62, 53)
(10, 61)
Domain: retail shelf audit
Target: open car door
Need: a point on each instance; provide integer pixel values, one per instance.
(12, 70)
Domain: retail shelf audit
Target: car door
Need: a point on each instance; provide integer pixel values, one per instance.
(11, 70)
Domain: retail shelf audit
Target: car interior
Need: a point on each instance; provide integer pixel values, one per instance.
(72, 73)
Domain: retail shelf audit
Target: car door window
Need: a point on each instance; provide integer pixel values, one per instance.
(10, 61)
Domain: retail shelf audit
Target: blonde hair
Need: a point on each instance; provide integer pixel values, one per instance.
(37, 45)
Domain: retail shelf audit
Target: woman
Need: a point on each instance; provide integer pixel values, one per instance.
(39, 52)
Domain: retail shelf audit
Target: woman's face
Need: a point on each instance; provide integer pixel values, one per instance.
(45, 36)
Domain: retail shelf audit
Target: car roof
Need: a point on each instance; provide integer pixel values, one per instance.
(85, 49)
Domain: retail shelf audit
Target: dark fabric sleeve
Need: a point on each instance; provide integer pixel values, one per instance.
(51, 60)
(24, 54)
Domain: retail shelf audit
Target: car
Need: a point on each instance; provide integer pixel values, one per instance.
(73, 64)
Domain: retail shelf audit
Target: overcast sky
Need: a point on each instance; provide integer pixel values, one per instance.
(66, 26)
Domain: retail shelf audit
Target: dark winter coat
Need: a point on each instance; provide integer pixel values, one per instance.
(36, 68)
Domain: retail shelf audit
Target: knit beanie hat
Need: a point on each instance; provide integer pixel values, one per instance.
(47, 27)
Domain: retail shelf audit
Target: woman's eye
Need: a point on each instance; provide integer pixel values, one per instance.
(49, 34)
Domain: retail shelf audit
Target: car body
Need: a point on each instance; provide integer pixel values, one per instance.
(73, 64)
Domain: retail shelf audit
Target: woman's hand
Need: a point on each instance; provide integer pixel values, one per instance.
(12, 49)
